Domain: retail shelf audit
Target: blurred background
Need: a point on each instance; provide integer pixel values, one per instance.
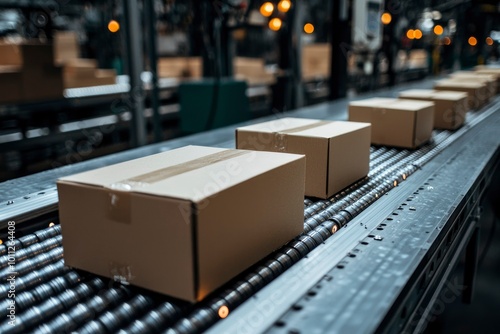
(121, 74)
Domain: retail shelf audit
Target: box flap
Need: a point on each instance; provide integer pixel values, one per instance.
(191, 173)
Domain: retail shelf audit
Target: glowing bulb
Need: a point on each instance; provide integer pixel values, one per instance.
(308, 28)
(223, 311)
(438, 30)
(284, 5)
(275, 24)
(51, 224)
(418, 34)
(447, 40)
(386, 18)
(266, 9)
(489, 41)
(113, 26)
(472, 41)
(410, 34)
(1, 242)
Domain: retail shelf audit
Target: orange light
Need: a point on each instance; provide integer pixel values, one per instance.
(1, 242)
(438, 30)
(410, 34)
(489, 41)
(308, 28)
(418, 34)
(284, 5)
(223, 311)
(51, 224)
(266, 9)
(446, 40)
(472, 41)
(386, 18)
(113, 26)
(275, 24)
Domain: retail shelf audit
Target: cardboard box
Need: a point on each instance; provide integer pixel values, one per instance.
(182, 222)
(494, 71)
(10, 84)
(180, 67)
(488, 79)
(87, 77)
(253, 71)
(450, 107)
(28, 54)
(337, 153)
(401, 123)
(477, 91)
(316, 61)
(42, 83)
(66, 47)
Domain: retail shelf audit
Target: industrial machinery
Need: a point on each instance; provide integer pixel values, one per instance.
(372, 258)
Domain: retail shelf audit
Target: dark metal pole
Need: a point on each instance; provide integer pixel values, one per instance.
(153, 59)
(134, 49)
(340, 42)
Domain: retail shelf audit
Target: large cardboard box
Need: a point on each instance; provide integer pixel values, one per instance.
(10, 84)
(477, 91)
(450, 107)
(182, 222)
(337, 153)
(27, 54)
(490, 70)
(395, 122)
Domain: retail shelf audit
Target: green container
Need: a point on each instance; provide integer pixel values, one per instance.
(197, 104)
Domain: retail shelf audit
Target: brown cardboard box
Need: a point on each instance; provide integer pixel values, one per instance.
(66, 47)
(29, 54)
(337, 153)
(42, 83)
(10, 84)
(402, 123)
(490, 70)
(10, 54)
(316, 61)
(182, 222)
(488, 79)
(180, 67)
(87, 77)
(450, 107)
(477, 91)
(253, 71)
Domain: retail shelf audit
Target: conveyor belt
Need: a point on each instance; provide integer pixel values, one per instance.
(53, 298)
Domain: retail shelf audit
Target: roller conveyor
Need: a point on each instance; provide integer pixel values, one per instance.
(282, 292)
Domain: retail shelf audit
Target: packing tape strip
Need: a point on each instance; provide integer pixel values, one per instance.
(280, 142)
(119, 204)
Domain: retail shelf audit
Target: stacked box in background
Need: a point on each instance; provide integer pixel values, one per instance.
(316, 61)
(78, 72)
(253, 71)
(201, 216)
(450, 107)
(180, 67)
(337, 153)
(38, 78)
(400, 123)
